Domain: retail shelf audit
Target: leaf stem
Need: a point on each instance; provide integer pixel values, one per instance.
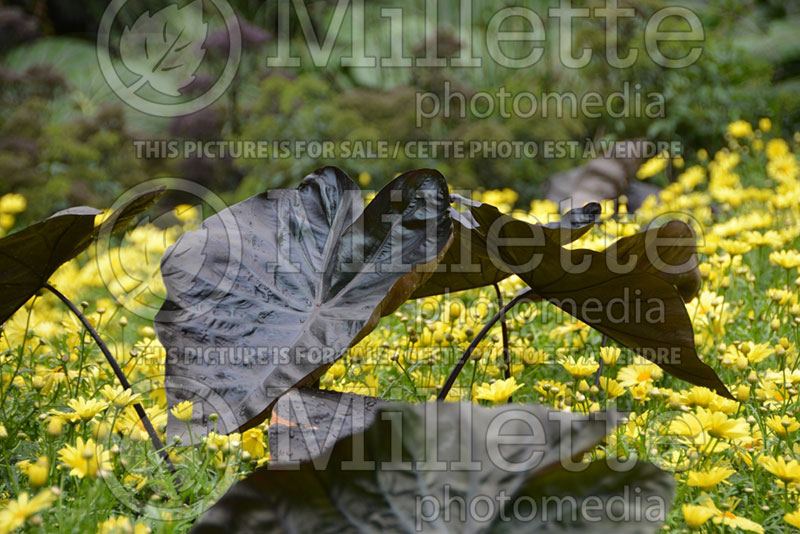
(504, 330)
(148, 426)
(485, 330)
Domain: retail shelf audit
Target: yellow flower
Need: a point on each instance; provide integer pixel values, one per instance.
(225, 444)
(541, 209)
(504, 198)
(16, 512)
(6, 222)
(692, 177)
(121, 525)
(734, 246)
(653, 166)
(687, 424)
(740, 129)
(610, 355)
(580, 368)
(783, 169)
(498, 392)
(698, 396)
(695, 515)
(742, 523)
(535, 357)
(186, 212)
(770, 238)
(776, 148)
(83, 409)
(364, 179)
(757, 352)
(635, 374)
(337, 370)
(370, 384)
(611, 387)
(85, 458)
(782, 426)
(183, 410)
(36, 472)
(781, 296)
(13, 203)
(55, 426)
(793, 518)
(128, 422)
(729, 518)
(719, 425)
(788, 259)
(119, 396)
(764, 124)
(710, 478)
(742, 393)
(787, 472)
(253, 442)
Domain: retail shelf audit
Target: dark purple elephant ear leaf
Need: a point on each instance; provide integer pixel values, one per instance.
(126, 213)
(633, 292)
(307, 421)
(421, 468)
(286, 282)
(668, 251)
(466, 264)
(29, 257)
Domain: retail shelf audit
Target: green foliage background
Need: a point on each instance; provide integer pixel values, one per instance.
(66, 139)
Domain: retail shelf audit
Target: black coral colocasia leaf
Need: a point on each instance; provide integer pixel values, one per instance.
(429, 467)
(633, 291)
(29, 257)
(307, 421)
(287, 281)
(467, 265)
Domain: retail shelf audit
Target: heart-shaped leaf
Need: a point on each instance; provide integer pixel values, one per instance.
(625, 292)
(29, 257)
(668, 251)
(466, 265)
(452, 467)
(288, 280)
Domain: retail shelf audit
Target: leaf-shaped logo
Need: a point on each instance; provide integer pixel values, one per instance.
(165, 48)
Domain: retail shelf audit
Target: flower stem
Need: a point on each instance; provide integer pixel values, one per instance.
(600, 364)
(485, 330)
(148, 426)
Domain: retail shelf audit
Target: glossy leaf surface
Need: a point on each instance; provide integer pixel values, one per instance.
(466, 264)
(459, 456)
(285, 282)
(29, 257)
(631, 292)
(307, 421)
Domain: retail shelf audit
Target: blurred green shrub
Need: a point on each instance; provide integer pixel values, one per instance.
(65, 138)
